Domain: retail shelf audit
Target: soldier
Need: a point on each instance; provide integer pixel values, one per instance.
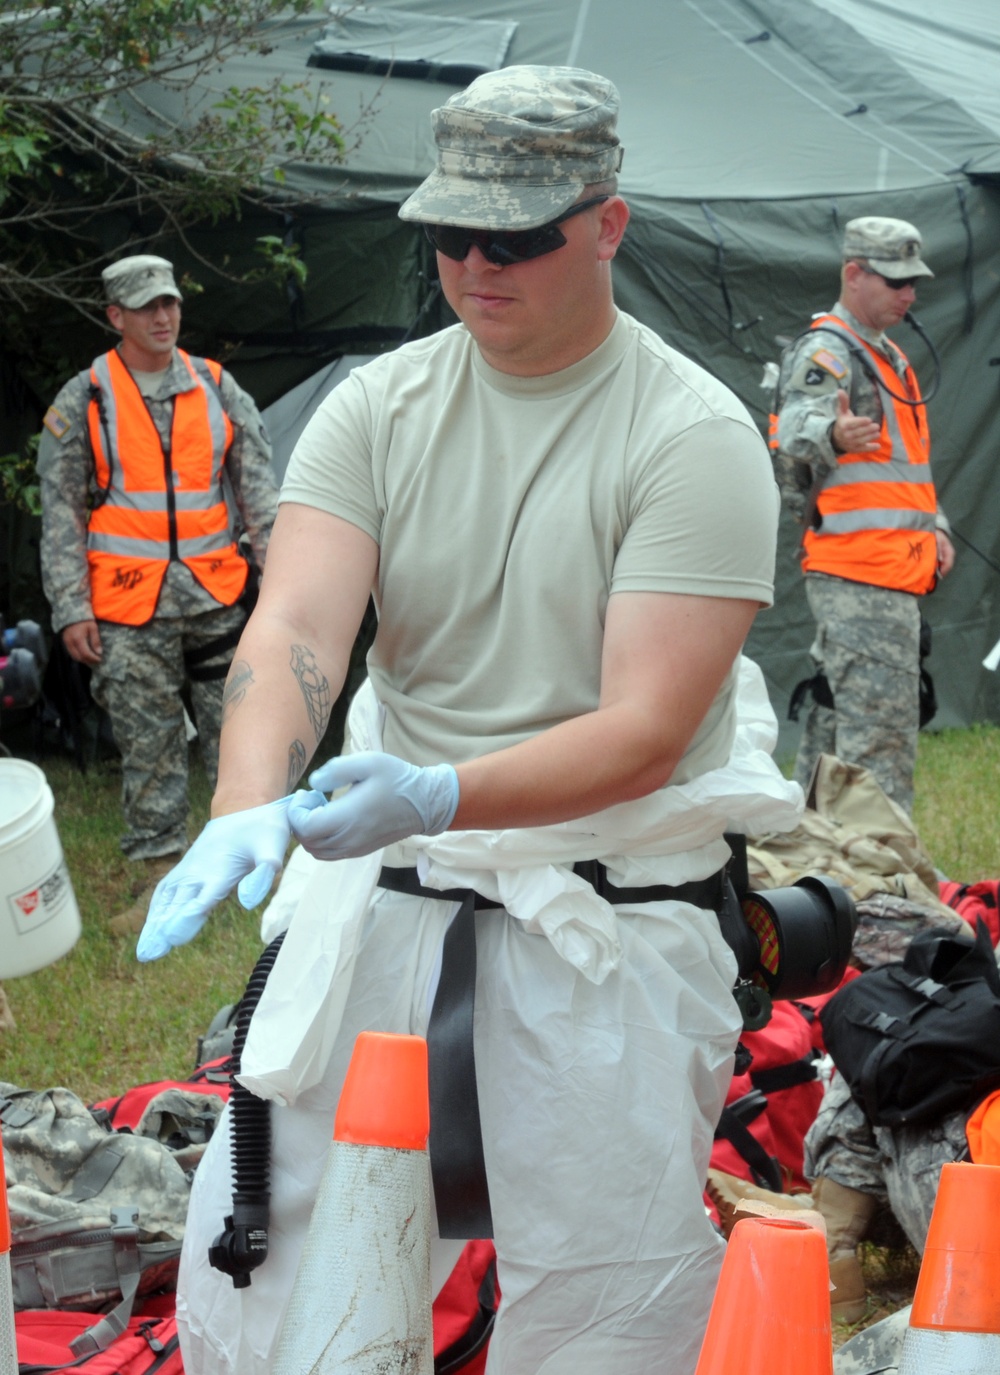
(974, 1136)
(139, 559)
(853, 462)
(568, 528)
(856, 1167)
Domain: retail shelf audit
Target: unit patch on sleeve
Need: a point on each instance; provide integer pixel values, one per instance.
(56, 423)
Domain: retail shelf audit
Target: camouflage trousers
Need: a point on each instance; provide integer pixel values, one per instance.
(139, 682)
(875, 1350)
(868, 644)
(899, 1166)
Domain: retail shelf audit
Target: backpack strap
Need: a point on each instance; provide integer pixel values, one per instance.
(54, 1272)
(125, 1238)
(61, 1271)
(788, 1076)
(733, 1128)
(96, 1171)
(14, 1114)
(895, 1029)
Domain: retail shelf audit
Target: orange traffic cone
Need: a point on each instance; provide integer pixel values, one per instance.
(361, 1300)
(8, 1337)
(771, 1311)
(982, 1131)
(955, 1319)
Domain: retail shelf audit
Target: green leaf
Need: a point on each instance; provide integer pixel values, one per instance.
(72, 185)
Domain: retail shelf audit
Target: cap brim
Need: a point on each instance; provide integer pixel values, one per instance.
(473, 203)
(142, 299)
(894, 268)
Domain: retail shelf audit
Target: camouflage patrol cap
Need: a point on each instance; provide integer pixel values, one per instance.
(891, 247)
(134, 282)
(517, 147)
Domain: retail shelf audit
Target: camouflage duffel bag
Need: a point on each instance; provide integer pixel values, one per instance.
(96, 1216)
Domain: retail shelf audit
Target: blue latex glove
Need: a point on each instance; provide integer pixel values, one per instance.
(387, 800)
(245, 848)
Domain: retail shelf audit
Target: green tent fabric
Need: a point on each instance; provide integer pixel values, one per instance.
(955, 54)
(720, 98)
(753, 130)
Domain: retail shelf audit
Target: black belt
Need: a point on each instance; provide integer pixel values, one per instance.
(700, 892)
(458, 1166)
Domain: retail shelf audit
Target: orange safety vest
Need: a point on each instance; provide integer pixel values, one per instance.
(877, 509)
(159, 504)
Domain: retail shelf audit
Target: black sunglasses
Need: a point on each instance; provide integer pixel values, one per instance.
(505, 246)
(897, 283)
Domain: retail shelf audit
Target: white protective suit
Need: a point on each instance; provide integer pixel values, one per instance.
(604, 1042)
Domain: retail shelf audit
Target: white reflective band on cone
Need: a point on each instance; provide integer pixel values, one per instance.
(362, 1294)
(930, 1351)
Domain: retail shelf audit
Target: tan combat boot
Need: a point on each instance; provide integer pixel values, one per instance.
(130, 921)
(847, 1213)
(735, 1198)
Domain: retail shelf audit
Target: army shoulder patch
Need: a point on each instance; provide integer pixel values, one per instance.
(56, 423)
(829, 362)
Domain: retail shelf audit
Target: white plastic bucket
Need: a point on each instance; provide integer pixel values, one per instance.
(39, 918)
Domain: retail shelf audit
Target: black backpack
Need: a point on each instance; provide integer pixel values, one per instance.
(920, 1039)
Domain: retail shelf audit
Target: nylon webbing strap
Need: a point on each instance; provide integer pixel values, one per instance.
(458, 1166)
(788, 1076)
(14, 1114)
(703, 892)
(95, 1174)
(734, 1129)
(125, 1235)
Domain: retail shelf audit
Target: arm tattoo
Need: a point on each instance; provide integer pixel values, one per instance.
(315, 687)
(296, 763)
(240, 678)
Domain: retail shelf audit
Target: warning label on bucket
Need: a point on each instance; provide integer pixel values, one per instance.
(33, 907)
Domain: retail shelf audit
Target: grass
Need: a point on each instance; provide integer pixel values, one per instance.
(956, 800)
(97, 1021)
(957, 806)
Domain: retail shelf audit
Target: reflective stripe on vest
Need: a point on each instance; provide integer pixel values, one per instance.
(878, 509)
(159, 503)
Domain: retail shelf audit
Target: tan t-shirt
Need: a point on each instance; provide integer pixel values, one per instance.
(508, 509)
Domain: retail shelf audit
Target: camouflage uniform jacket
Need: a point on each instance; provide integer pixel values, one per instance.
(806, 403)
(69, 487)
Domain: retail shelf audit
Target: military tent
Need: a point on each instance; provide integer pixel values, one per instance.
(753, 130)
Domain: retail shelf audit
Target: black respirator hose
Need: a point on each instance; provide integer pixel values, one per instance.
(915, 324)
(242, 1246)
